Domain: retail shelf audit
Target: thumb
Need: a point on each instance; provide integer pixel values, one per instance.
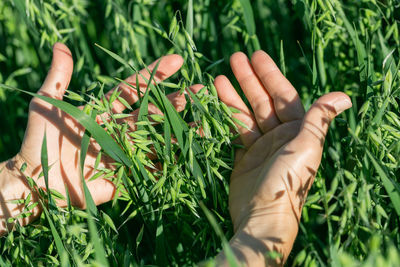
(60, 72)
(317, 119)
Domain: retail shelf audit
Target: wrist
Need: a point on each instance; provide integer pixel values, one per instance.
(253, 251)
(263, 240)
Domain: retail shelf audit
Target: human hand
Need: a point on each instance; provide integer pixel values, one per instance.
(281, 155)
(64, 136)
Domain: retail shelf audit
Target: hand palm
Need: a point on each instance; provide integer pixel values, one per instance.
(254, 177)
(63, 136)
(281, 154)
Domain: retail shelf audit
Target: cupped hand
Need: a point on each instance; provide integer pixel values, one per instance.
(282, 152)
(64, 134)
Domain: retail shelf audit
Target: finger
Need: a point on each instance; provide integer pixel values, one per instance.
(41, 113)
(177, 99)
(60, 72)
(258, 97)
(196, 88)
(230, 97)
(287, 103)
(102, 190)
(168, 66)
(199, 130)
(316, 123)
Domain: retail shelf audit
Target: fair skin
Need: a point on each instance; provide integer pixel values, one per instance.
(283, 149)
(272, 173)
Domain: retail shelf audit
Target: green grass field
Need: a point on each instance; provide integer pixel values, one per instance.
(352, 213)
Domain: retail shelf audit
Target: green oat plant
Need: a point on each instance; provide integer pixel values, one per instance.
(351, 217)
(155, 200)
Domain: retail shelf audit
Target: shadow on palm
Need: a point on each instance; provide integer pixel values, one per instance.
(282, 151)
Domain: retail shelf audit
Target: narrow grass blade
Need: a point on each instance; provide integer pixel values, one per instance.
(248, 17)
(160, 244)
(116, 57)
(225, 245)
(45, 168)
(167, 138)
(90, 205)
(96, 241)
(144, 110)
(249, 22)
(282, 59)
(391, 187)
(91, 208)
(189, 18)
(59, 244)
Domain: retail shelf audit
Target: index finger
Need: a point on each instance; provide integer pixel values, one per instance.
(228, 95)
(168, 66)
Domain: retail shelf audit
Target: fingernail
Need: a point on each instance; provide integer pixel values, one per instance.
(342, 105)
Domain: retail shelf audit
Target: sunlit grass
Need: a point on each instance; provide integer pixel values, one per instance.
(352, 212)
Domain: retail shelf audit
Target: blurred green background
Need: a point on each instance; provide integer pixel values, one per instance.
(321, 46)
